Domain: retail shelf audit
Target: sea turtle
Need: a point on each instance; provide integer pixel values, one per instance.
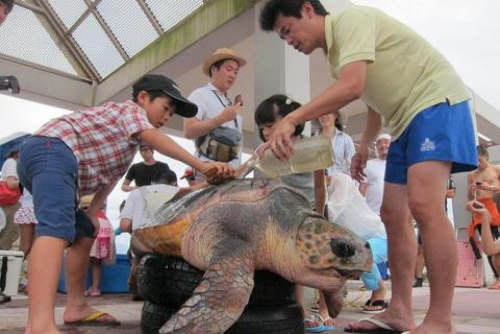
(231, 230)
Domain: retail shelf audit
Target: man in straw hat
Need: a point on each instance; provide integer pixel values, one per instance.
(215, 108)
(421, 101)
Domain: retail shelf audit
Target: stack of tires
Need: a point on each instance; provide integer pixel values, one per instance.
(166, 283)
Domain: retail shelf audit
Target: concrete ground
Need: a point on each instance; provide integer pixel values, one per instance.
(476, 311)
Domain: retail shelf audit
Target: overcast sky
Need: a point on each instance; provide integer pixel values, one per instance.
(466, 32)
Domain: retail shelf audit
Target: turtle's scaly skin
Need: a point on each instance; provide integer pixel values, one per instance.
(236, 228)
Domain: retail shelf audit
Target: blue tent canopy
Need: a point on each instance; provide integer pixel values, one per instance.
(11, 143)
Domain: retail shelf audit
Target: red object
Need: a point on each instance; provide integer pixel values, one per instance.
(8, 196)
(470, 271)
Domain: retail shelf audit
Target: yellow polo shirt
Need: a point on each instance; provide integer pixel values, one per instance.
(405, 74)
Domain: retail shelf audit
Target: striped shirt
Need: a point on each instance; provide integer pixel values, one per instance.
(343, 149)
(104, 140)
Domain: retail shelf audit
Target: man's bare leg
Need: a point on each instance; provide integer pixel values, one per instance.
(427, 189)
(43, 274)
(402, 251)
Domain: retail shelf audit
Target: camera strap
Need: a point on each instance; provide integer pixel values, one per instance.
(229, 103)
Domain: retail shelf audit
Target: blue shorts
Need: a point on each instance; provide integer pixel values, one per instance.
(49, 170)
(439, 133)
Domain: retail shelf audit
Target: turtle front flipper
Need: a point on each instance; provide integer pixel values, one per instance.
(220, 298)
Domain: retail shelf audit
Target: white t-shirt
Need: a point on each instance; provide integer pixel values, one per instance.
(347, 207)
(375, 171)
(210, 104)
(136, 205)
(9, 168)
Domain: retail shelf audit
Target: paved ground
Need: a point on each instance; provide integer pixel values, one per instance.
(476, 311)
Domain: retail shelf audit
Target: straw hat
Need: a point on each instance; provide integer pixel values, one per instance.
(221, 54)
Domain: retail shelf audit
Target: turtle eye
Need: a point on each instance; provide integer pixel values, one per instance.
(342, 249)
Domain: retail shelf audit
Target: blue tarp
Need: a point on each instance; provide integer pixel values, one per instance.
(11, 143)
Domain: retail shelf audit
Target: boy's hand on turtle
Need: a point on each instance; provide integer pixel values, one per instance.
(216, 172)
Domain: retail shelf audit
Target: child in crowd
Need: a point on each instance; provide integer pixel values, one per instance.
(491, 247)
(103, 250)
(267, 117)
(80, 154)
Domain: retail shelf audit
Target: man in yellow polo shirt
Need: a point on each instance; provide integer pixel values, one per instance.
(410, 86)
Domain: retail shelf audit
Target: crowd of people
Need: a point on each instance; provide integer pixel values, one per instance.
(423, 104)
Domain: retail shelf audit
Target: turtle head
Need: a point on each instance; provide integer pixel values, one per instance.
(326, 246)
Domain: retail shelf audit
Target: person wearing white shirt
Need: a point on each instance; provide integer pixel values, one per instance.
(138, 207)
(216, 109)
(372, 187)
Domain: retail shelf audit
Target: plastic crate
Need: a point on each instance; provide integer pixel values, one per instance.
(10, 266)
(113, 278)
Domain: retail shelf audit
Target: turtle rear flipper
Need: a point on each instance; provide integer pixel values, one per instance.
(220, 298)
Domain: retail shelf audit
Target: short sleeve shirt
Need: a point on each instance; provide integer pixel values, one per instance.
(375, 171)
(210, 104)
(405, 74)
(143, 174)
(136, 205)
(343, 149)
(9, 168)
(104, 140)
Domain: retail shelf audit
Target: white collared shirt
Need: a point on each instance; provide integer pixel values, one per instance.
(210, 104)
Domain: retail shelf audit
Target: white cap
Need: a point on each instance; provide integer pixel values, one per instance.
(383, 136)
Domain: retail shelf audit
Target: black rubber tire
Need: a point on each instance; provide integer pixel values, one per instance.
(154, 316)
(271, 289)
(276, 319)
(284, 319)
(170, 281)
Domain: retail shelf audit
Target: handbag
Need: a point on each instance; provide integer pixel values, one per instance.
(9, 196)
(221, 144)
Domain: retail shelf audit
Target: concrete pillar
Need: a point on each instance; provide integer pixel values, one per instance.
(278, 68)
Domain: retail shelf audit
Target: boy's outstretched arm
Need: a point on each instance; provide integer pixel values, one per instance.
(167, 146)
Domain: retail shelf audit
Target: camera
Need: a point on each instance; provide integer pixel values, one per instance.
(10, 82)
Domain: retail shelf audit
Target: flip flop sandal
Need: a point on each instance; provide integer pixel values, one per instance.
(318, 329)
(327, 327)
(382, 328)
(382, 304)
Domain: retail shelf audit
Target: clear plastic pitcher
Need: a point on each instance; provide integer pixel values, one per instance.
(310, 154)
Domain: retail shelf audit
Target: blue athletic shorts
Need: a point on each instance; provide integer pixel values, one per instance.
(439, 133)
(49, 170)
